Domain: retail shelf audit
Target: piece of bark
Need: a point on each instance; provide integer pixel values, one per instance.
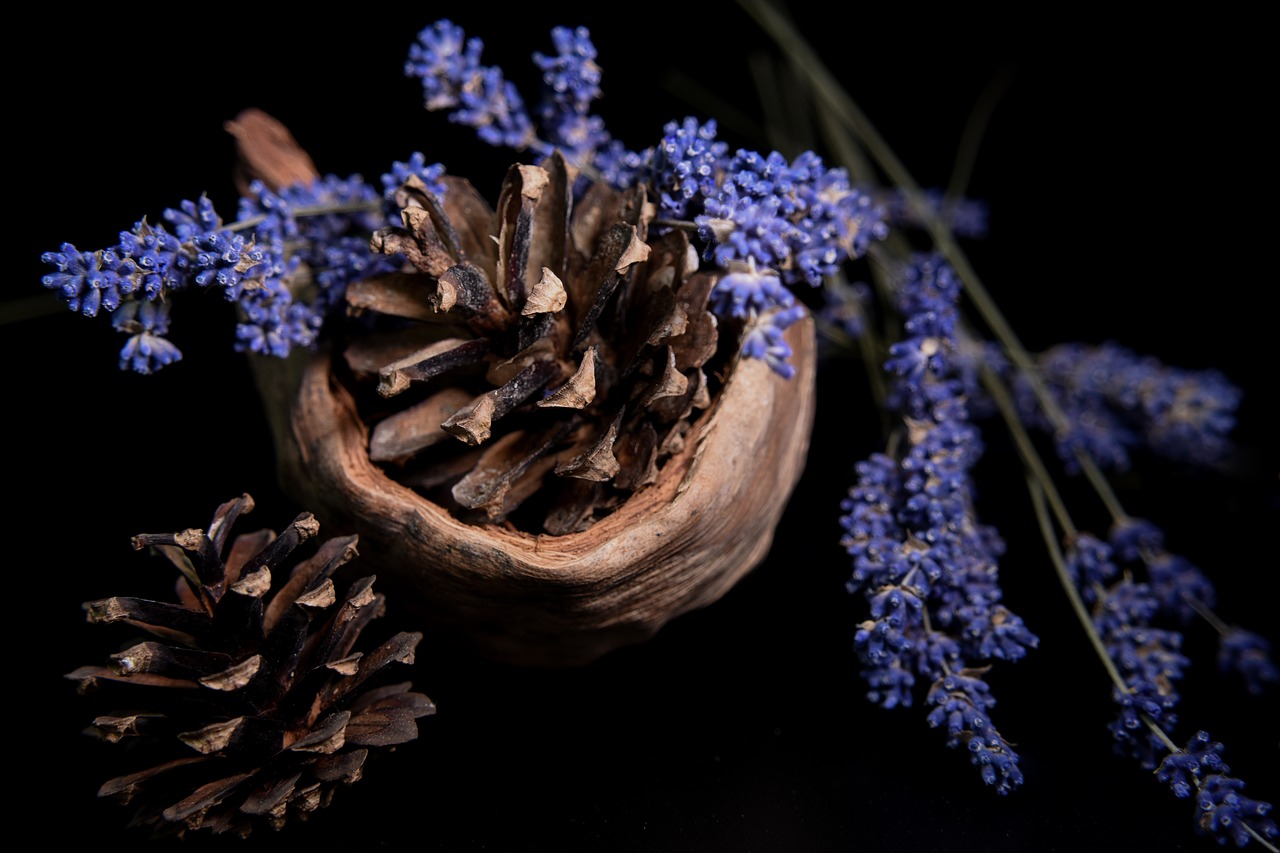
(671, 547)
(574, 507)
(266, 151)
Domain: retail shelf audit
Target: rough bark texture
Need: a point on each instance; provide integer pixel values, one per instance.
(674, 546)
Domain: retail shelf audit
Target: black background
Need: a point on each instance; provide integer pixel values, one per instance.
(1132, 199)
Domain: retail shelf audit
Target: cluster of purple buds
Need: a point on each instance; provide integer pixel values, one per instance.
(320, 228)
(1148, 659)
(1222, 811)
(1117, 402)
(926, 565)
(1184, 593)
(762, 218)
(964, 217)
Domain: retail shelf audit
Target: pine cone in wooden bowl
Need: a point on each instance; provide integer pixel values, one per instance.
(534, 422)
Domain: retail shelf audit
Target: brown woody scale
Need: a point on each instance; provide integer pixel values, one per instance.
(537, 363)
(259, 704)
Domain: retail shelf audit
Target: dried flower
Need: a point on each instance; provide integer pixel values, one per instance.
(1221, 810)
(920, 556)
(250, 703)
(1119, 401)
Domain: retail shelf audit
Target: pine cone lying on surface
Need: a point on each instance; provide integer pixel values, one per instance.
(255, 703)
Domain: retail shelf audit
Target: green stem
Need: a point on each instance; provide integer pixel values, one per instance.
(312, 210)
(1068, 585)
(1258, 838)
(1206, 613)
(1027, 451)
(975, 127)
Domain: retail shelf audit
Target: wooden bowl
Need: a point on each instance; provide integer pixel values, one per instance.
(674, 546)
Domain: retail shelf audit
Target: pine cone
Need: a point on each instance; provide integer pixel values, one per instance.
(540, 380)
(255, 704)
(537, 423)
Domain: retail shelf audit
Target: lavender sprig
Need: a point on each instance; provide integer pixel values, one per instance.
(1222, 811)
(1185, 593)
(965, 217)
(1148, 659)
(285, 262)
(448, 64)
(925, 564)
(1117, 402)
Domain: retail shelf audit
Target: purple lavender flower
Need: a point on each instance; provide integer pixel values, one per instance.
(1222, 811)
(1225, 813)
(1117, 402)
(416, 166)
(1250, 655)
(146, 350)
(798, 218)
(224, 258)
(87, 280)
(620, 166)
(1148, 659)
(247, 261)
(1090, 564)
(445, 61)
(571, 81)
(925, 564)
(572, 74)
(924, 361)
(745, 291)
(960, 702)
(1183, 591)
(686, 166)
(965, 217)
(335, 245)
(159, 263)
(190, 219)
(452, 77)
(764, 339)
